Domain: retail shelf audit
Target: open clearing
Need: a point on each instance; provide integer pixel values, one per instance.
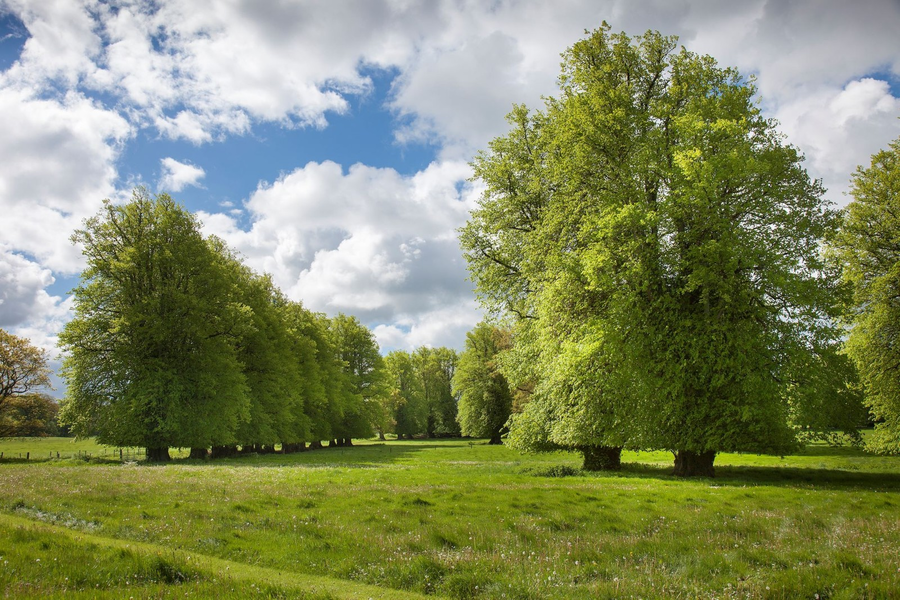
(454, 519)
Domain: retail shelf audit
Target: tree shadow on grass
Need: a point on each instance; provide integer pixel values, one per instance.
(359, 456)
(737, 475)
(841, 451)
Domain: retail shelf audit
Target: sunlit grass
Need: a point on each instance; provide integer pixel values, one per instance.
(462, 519)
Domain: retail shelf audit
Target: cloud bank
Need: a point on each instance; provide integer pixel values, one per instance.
(96, 84)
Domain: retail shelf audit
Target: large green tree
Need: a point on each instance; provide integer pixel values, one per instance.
(658, 245)
(152, 357)
(485, 400)
(868, 248)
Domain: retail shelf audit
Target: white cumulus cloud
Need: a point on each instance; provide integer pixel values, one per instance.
(368, 242)
(57, 163)
(175, 175)
(94, 76)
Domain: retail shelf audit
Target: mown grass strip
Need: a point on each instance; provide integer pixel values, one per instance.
(153, 569)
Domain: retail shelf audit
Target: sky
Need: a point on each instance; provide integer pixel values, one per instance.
(329, 142)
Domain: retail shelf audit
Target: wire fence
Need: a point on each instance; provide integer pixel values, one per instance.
(100, 454)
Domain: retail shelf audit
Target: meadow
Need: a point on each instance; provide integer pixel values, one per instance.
(446, 518)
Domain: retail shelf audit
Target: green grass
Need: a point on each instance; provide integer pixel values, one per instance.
(20, 449)
(455, 519)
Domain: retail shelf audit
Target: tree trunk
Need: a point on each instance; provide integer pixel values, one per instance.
(381, 437)
(346, 442)
(495, 440)
(602, 458)
(223, 451)
(291, 448)
(199, 453)
(160, 454)
(694, 464)
(316, 445)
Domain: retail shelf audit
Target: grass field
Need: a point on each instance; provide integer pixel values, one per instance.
(449, 519)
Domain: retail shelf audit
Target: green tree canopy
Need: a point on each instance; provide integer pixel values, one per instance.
(268, 357)
(29, 415)
(658, 246)
(23, 367)
(868, 248)
(152, 354)
(365, 375)
(436, 367)
(485, 399)
(407, 394)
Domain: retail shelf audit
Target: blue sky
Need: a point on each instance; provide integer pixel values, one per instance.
(329, 143)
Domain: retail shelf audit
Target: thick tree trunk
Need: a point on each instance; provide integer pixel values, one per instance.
(694, 464)
(381, 437)
(199, 453)
(316, 445)
(346, 442)
(602, 458)
(158, 454)
(495, 440)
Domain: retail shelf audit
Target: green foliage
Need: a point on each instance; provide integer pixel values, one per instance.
(485, 399)
(656, 245)
(868, 248)
(175, 343)
(419, 399)
(436, 367)
(365, 374)
(152, 349)
(29, 415)
(270, 358)
(23, 367)
(407, 394)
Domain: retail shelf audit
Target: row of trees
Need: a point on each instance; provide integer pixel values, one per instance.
(439, 393)
(421, 400)
(175, 343)
(656, 249)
